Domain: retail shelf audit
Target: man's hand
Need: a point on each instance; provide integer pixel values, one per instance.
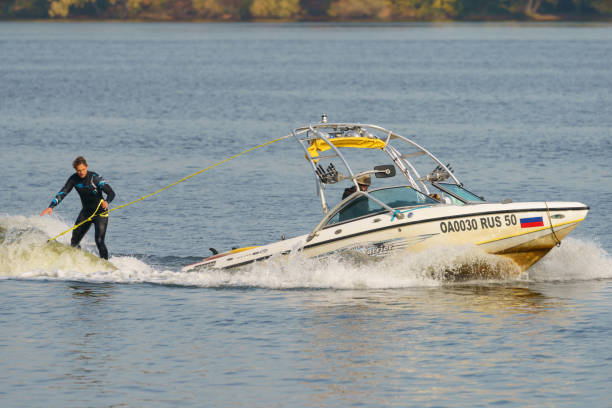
(47, 211)
(105, 205)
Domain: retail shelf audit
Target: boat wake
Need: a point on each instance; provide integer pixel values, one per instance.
(25, 254)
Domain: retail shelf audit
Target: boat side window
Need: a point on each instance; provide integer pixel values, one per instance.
(404, 196)
(454, 201)
(394, 197)
(358, 207)
(459, 192)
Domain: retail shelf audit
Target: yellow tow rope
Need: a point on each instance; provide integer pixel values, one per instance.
(82, 222)
(105, 213)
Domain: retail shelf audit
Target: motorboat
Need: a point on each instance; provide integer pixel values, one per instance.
(421, 211)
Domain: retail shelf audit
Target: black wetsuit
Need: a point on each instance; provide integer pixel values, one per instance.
(90, 190)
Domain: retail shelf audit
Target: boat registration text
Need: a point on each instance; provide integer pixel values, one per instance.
(481, 223)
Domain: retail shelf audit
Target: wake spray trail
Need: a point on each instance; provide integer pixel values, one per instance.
(575, 259)
(25, 254)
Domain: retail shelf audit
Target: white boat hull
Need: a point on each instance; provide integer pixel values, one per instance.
(522, 232)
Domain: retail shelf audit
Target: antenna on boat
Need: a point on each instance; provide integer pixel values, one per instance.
(323, 118)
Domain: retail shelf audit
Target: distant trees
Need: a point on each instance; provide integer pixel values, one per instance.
(426, 9)
(280, 9)
(208, 9)
(24, 8)
(240, 10)
(360, 9)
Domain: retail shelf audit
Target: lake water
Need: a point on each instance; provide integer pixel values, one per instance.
(520, 111)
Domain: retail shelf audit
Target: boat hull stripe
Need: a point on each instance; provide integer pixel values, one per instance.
(529, 232)
(423, 221)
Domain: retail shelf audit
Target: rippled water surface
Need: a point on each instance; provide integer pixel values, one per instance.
(521, 112)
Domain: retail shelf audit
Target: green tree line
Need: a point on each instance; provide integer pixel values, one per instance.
(307, 10)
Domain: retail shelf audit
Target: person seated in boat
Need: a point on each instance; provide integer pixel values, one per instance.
(360, 206)
(363, 182)
(435, 196)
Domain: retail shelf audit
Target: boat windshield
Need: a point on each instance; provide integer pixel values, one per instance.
(394, 197)
(459, 192)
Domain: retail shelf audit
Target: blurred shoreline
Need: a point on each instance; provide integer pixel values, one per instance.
(162, 19)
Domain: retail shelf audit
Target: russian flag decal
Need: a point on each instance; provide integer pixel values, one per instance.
(532, 222)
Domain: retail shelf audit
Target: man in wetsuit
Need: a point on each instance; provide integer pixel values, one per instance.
(90, 186)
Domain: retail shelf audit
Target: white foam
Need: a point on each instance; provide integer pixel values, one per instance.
(575, 259)
(25, 254)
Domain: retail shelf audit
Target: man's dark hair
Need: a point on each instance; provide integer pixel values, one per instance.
(78, 161)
